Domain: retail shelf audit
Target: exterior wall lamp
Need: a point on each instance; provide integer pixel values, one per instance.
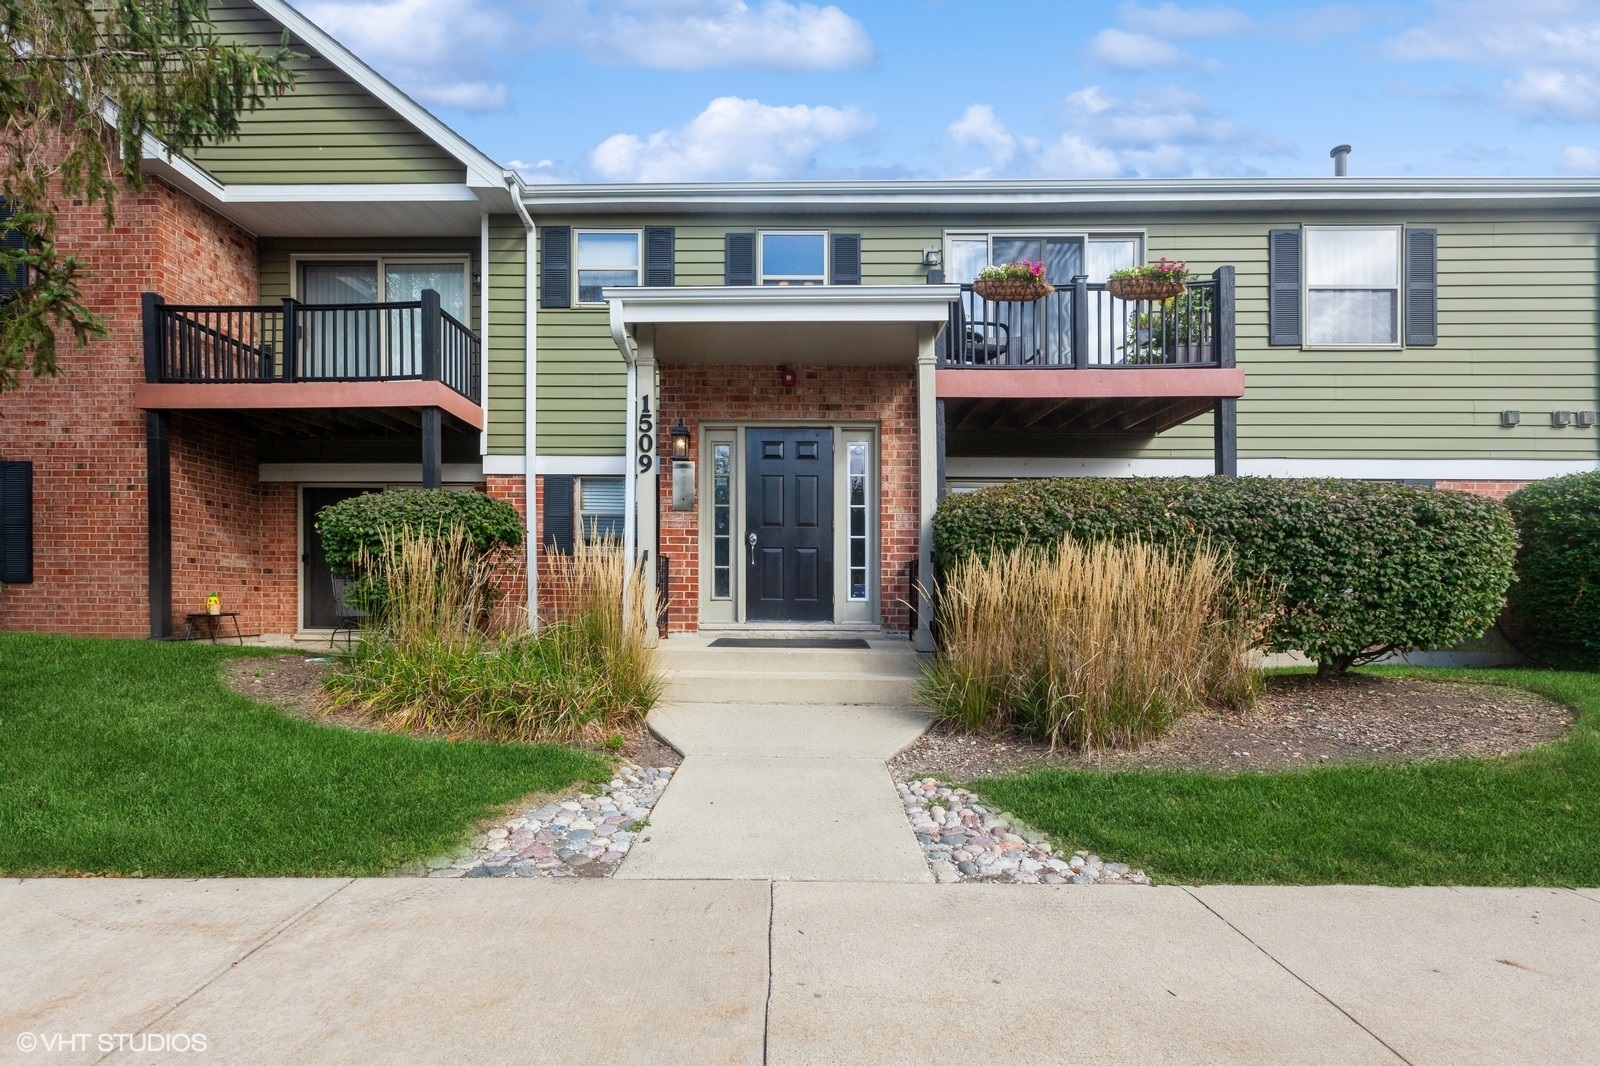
(787, 377)
(682, 469)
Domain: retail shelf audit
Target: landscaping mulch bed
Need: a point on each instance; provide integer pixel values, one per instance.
(1300, 720)
(293, 683)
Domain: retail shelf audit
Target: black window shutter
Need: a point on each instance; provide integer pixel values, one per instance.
(1283, 286)
(555, 266)
(16, 522)
(1422, 286)
(12, 241)
(658, 253)
(846, 259)
(739, 250)
(558, 512)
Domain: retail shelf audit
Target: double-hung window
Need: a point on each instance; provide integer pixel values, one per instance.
(1353, 283)
(601, 508)
(605, 258)
(793, 258)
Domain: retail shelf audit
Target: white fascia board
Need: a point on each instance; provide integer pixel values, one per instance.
(507, 465)
(482, 172)
(981, 467)
(770, 303)
(592, 465)
(1130, 192)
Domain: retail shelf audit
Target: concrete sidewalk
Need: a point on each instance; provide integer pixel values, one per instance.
(400, 971)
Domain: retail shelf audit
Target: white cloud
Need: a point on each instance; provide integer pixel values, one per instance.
(544, 172)
(1552, 47)
(1555, 94)
(980, 126)
(701, 34)
(1186, 23)
(1135, 51)
(1579, 159)
(443, 66)
(732, 139)
(1157, 133)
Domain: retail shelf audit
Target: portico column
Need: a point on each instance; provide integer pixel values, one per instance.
(645, 425)
(927, 472)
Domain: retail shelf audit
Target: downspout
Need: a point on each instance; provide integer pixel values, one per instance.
(530, 405)
(483, 328)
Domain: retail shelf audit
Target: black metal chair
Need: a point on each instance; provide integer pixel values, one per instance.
(978, 342)
(347, 617)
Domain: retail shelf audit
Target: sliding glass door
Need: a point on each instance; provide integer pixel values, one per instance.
(352, 342)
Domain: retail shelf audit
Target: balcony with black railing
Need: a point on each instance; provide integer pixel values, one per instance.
(294, 342)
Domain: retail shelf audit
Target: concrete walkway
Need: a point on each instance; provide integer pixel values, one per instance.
(404, 971)
(772, 788)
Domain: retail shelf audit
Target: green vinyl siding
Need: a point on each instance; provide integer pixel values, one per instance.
(1517, 329)
(508, 335)
(328, 130)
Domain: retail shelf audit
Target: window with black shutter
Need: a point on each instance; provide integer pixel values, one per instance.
(16, 522)
(14, 243)
(558, 512)
(555, 266)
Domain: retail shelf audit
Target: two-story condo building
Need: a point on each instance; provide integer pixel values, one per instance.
(763, 389)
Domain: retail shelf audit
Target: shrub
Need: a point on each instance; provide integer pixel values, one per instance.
(1555, 603)
(360, 523)
(428, 667)
(1360, 569)
(1068, 644)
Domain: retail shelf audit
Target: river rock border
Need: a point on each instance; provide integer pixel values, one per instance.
(963, 840)
(588, 835)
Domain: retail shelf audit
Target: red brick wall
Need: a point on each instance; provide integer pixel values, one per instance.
(886, 395)
(87, 440)
(1495, 490)
(512, 610)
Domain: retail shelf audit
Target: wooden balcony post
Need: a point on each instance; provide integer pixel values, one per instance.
(150, 307)
(158, 505)
(291, 339)
(1080, 322)
(432, 454)
(1225, 412)
(432, 334)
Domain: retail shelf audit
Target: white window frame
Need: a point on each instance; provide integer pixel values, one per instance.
(577, 262)
(1398, 288)
(762, 277)
(988, 236)
(580, 514)
(381, 260)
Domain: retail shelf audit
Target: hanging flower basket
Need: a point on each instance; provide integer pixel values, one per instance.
(1012, 290)
(1145, 288)
(1161, 280)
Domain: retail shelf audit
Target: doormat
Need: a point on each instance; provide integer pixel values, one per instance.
(807, 643)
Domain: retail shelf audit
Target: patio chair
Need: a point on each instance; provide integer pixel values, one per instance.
(347, 617)
(977, 342)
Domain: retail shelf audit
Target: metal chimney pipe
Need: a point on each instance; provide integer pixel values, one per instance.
(1341, 161)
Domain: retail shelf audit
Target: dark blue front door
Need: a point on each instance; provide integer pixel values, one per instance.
(789, 525)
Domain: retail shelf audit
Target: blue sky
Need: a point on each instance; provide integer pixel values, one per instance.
(690, 90)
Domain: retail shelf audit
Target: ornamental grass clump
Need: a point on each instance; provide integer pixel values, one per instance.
(432, 666)
(1092, 645)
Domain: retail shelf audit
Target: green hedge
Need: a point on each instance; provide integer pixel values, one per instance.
(1360, 568)
(1555, 602)
(360, 522)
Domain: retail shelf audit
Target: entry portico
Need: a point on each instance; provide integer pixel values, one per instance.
(814, 431)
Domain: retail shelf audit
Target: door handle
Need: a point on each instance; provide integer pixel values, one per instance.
(751, 540)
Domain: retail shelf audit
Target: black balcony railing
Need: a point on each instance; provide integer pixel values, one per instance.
(1082, 326)
(222, 344)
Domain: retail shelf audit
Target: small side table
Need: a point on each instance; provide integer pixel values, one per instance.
(212, 624)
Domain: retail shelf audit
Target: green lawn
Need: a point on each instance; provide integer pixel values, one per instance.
(1528, 819)
(132, 757)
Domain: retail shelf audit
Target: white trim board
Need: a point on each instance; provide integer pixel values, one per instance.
(363, 473)
(593, 465)
(1366, 469)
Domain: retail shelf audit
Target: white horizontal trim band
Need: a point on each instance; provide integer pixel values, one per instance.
(392, 473)
(597, 465)
(505, 464)
(1367, 469)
